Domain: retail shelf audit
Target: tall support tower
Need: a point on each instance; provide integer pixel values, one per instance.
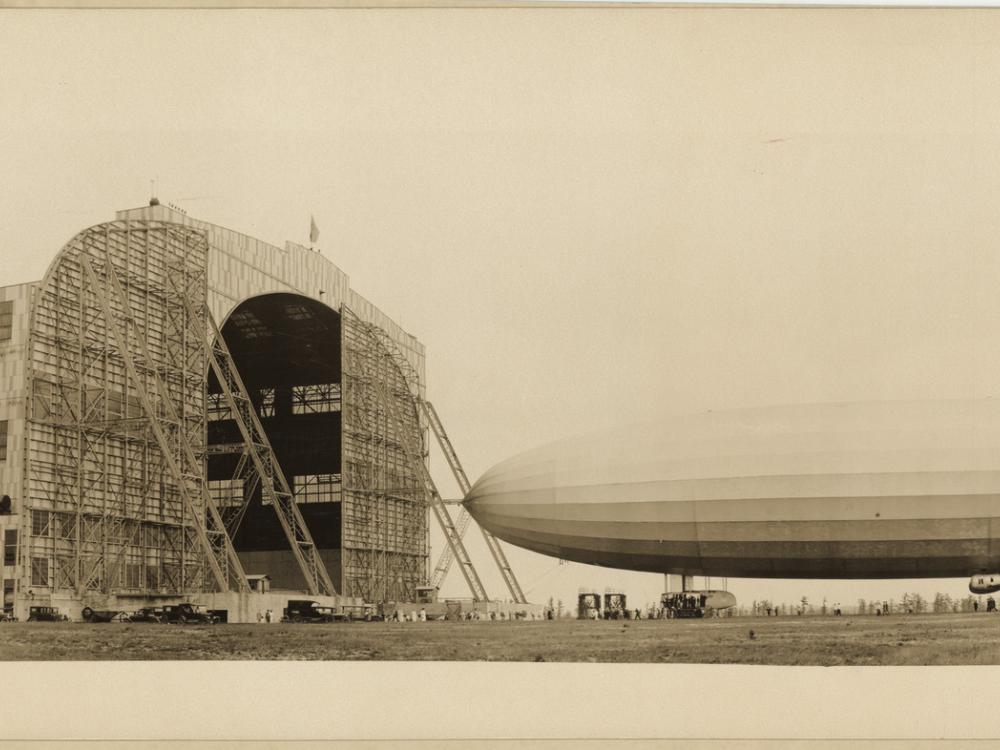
(104, 508)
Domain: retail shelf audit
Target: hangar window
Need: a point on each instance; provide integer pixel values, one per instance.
(250, 325)
(298, 312)
(64, 525)
(226, 492)
(169, 577)
(218, 407)
(315, 399)
(116, 404)
(8, 595)
(39, 571)
(10, 547)
(64, 571)
(400, 483)
(6, 320)
(3, 439)
(133, 575)
(317, 488)
(39, 523)
(267, 402)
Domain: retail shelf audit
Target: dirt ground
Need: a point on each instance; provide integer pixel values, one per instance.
(827, 641)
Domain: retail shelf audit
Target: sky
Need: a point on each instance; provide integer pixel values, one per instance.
(589, 217)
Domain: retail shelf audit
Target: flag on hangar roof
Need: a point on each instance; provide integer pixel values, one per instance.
(313, 229)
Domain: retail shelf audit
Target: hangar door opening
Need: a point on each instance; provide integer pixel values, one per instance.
(287, 349)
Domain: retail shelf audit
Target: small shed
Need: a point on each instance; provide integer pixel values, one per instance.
(427, 594)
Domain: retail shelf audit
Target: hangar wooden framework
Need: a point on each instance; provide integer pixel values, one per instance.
(116, 496)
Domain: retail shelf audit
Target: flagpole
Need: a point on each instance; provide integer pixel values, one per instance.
(313, 232)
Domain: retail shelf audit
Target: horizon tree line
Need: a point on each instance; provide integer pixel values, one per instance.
(909, 603)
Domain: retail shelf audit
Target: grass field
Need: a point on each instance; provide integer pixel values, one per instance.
(826, 641)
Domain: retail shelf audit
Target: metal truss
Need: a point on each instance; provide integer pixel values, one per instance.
(245, 476)
(402, 401)
(189, 471)
(459, 528)
(447, 555)
(114, 473)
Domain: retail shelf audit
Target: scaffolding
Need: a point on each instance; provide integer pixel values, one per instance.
(399, 402)
(115, 496)
(384, 528)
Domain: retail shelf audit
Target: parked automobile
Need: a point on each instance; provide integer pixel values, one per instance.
(305, 610)
(147, 614)
(186, 613)
(100, 615)
(46, 614)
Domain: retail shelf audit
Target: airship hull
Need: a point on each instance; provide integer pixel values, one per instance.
(898, 490)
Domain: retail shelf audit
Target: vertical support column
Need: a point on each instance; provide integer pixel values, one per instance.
(674, 583)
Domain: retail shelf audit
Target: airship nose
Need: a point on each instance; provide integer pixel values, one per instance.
(475, 502)
(493, 508)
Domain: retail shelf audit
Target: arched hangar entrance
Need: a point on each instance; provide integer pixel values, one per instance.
(287, 349)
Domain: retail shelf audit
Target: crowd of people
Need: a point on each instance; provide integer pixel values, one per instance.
(473, 615)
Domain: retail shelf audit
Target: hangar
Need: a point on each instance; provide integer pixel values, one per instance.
(138, 447)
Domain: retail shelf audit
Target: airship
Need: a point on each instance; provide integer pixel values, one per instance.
(851, 491)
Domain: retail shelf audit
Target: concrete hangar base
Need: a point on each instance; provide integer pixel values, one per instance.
(102, 449)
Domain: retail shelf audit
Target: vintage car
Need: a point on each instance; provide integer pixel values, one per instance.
(187, 613)
(147, 614)
(46, 614)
